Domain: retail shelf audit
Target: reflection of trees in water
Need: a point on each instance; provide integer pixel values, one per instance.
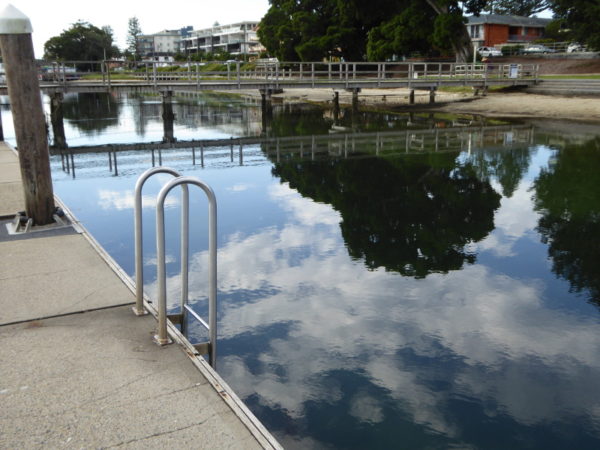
(91, 113)
(507, 165)
(305, 120)
(412, 215)
(567, 194)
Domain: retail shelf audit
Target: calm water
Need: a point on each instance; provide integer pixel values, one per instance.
(425, 299)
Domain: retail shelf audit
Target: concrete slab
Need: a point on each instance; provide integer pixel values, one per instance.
(96, 380)
(12, 199)
(49, 276)
(10, 172)
(6, 154)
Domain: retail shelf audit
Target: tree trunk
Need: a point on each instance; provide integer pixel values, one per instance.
(461, 45)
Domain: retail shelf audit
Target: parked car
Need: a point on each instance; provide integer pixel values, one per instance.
(538, 48)
(489, 51)
(575, 47)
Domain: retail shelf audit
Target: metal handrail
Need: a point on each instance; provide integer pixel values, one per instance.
(138, 309)
(162, 337)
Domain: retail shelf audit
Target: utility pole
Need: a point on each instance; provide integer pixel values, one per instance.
(28, 114)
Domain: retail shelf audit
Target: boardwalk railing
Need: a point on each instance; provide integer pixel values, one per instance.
(284, 74)
(459, 136)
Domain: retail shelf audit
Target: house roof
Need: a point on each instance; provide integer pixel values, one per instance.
(513, 21)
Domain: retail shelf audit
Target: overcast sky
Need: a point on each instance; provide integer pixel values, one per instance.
(50, 18)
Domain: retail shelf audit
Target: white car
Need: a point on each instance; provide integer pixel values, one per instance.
(538, 48)
(489, 51)
(575, 47)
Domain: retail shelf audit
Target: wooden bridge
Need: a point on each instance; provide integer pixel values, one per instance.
(57, 79)
(85, 76)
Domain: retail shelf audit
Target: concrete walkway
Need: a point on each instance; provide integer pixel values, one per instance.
(79, 370)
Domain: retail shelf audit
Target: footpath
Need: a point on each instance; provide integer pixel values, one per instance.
(79, 370)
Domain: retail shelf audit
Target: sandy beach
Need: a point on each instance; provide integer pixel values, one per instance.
(495, 104)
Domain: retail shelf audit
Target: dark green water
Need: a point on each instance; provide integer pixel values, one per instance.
(437, 288)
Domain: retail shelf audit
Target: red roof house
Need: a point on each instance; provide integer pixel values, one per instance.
(493, 29)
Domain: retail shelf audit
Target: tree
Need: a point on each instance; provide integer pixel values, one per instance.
(409, 31)
(133, 32)
(81, 42)
(315, 29)
(581, 18)
(449, 24)
(517, 7)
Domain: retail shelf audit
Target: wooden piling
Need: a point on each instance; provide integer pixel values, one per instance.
(28, 115)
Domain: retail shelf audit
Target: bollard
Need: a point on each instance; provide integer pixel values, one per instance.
(28, 115)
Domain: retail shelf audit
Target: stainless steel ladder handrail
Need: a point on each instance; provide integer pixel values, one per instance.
(139, 309)
(162, 337)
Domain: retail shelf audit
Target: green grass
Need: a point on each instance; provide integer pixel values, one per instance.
(468, 89)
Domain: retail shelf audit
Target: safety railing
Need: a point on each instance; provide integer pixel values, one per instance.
(235, 75)
(139, 309)
(162, 337)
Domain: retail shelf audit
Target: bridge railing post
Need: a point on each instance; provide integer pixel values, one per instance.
(347, 68)
(154, 74)
(108, 75)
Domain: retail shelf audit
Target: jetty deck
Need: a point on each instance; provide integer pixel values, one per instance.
(79, 370)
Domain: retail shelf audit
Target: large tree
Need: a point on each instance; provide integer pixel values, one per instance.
(517, 7)
(81, 42)
(316, 29)
(581, 18)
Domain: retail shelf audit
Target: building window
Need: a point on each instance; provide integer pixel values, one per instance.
(475, 31)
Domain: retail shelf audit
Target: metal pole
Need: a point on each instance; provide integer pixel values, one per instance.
(162, 337)
(138, 309)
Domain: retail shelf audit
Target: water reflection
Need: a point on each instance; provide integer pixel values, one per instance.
(459, 332)
(91, 113)
(413, 215)
(567, 193)
(331, 354)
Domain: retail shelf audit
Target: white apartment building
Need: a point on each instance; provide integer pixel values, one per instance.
(236, 39)
(161, 44)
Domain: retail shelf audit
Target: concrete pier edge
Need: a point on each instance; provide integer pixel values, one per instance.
(230, 398)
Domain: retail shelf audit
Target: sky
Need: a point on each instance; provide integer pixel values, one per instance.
(51, 18)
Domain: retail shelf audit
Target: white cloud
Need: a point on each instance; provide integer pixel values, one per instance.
(121, 200)
(240, 187)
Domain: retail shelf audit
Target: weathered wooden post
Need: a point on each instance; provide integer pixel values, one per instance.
(28, 115)
(57, 119)
(168, 117)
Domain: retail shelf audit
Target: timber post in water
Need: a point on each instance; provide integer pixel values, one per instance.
(57, 119)
(168, 117)
(28, 114)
